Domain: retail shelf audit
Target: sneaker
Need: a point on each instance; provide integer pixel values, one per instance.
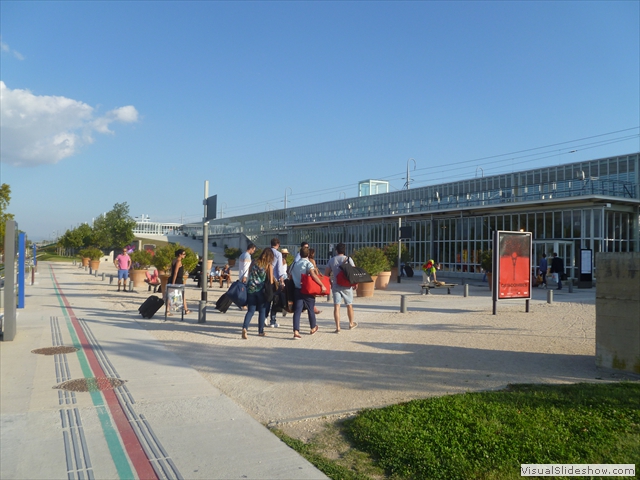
(274, 325)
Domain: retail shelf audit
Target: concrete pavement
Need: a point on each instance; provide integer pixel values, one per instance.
(149, 415)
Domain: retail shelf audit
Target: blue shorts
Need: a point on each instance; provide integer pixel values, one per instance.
(123, 274)
(341, 293)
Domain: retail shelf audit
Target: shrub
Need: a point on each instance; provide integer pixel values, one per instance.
(372, 260)
(92, 252)
(232, 253)
(391, 252)
(141, 259)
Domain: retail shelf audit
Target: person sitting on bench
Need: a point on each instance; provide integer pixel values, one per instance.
(214, 275)
(225, 275)
(153, 280)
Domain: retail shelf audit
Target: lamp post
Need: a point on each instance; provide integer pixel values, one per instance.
(481, 171)
(285, 203)
(223, 205)
(414, 167)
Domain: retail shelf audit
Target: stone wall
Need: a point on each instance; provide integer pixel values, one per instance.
(618, 311)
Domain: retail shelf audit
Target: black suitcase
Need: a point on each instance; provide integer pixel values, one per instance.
(223, 303)
(408, 271)
(150, 306)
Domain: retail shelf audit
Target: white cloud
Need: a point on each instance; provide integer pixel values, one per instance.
(5, 48)
(38, 130)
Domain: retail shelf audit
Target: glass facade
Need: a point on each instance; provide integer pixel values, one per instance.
(593, 204)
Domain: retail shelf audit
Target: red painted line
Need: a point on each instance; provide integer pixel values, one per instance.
(130, 440)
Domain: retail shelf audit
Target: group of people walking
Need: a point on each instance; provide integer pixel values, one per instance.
(269, 277)
(556, 269)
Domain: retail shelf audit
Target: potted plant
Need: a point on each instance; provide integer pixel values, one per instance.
(140, 262)
(231, 254)
(162, 261)
(189, 262)
(85, 257)
(373, 261)
(391, 252)
(486, 262)
(94, 254)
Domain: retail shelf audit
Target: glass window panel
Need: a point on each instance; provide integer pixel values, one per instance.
(577, 223)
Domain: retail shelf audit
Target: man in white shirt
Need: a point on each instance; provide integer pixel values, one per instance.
(244, 262)
(297, 257)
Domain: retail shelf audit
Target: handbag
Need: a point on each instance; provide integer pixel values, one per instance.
(354, 274)
(268, 291)
(238, 293)
(341, 280)
(308, 285)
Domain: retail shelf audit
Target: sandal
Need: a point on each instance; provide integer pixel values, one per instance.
(244, 333)
(313, 330)
(262, 334)
(296, 336)
(187, 312)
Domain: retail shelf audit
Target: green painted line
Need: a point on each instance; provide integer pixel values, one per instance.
(110, 434)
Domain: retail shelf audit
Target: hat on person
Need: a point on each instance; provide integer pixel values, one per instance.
(284, 250)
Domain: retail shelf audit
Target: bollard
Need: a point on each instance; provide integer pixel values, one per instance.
(466, 290)
(86, 268)
(110, 279)
(570, 283)
(130, 286)
(95, 273)
(549, 296)
(103, 276)
(403, 304)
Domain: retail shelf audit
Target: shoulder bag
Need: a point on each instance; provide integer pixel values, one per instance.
(354, 274)
(308, 285)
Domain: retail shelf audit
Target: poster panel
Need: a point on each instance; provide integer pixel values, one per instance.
(514, 265)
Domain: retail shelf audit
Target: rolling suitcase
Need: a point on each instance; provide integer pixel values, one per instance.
(150, 306)
(408, 271)
(223, 303)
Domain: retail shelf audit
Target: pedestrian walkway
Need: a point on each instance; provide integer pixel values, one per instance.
(103, 399)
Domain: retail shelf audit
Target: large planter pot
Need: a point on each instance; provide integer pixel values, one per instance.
(209, 265)
(85, 261)
(383, 280)
(94, 265)
(138, 276)
(164, 279)
(366, 289)
(394, 275)
(231, 261)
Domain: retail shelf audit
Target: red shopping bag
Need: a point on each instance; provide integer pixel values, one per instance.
(308, 285)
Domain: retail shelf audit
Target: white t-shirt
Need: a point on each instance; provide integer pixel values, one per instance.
(244, 262)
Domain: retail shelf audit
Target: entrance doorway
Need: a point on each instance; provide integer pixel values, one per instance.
(563, 248)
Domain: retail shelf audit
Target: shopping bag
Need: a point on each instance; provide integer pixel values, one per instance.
(354, 274)
(308, 285)
(341, 280)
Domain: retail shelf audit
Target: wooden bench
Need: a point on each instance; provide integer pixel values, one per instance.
(425, 287)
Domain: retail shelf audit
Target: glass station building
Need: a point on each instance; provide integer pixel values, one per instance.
(592, 204)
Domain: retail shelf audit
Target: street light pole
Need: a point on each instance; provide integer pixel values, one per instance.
(414, 167)
(285, 204)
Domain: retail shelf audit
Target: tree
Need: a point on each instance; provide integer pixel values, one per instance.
(5, 198)
(79, 237)
(115, 228)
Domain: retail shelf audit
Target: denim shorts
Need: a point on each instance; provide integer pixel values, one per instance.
(123, 274)
(341, 293)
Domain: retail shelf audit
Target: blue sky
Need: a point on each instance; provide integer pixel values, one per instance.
(141, 102)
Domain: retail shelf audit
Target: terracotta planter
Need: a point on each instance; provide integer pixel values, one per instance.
(85, 261)
(394, 275)
(138, 276)
(94, 264)
(209, 265)
(231, 261)
(366, 289)
(382, 281)
(164, 279)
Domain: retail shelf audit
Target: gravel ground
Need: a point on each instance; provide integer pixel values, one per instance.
(443, 344)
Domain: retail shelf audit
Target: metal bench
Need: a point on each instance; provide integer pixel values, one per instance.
(425, 287)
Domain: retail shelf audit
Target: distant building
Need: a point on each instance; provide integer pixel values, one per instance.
(593, 204)
(372, 187)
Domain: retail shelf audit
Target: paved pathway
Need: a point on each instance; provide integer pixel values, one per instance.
(164, 420)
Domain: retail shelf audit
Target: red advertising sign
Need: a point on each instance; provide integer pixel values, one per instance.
(514, 265)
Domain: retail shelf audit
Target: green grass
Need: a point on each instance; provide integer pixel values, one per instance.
(486, 435)
(52, 257)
